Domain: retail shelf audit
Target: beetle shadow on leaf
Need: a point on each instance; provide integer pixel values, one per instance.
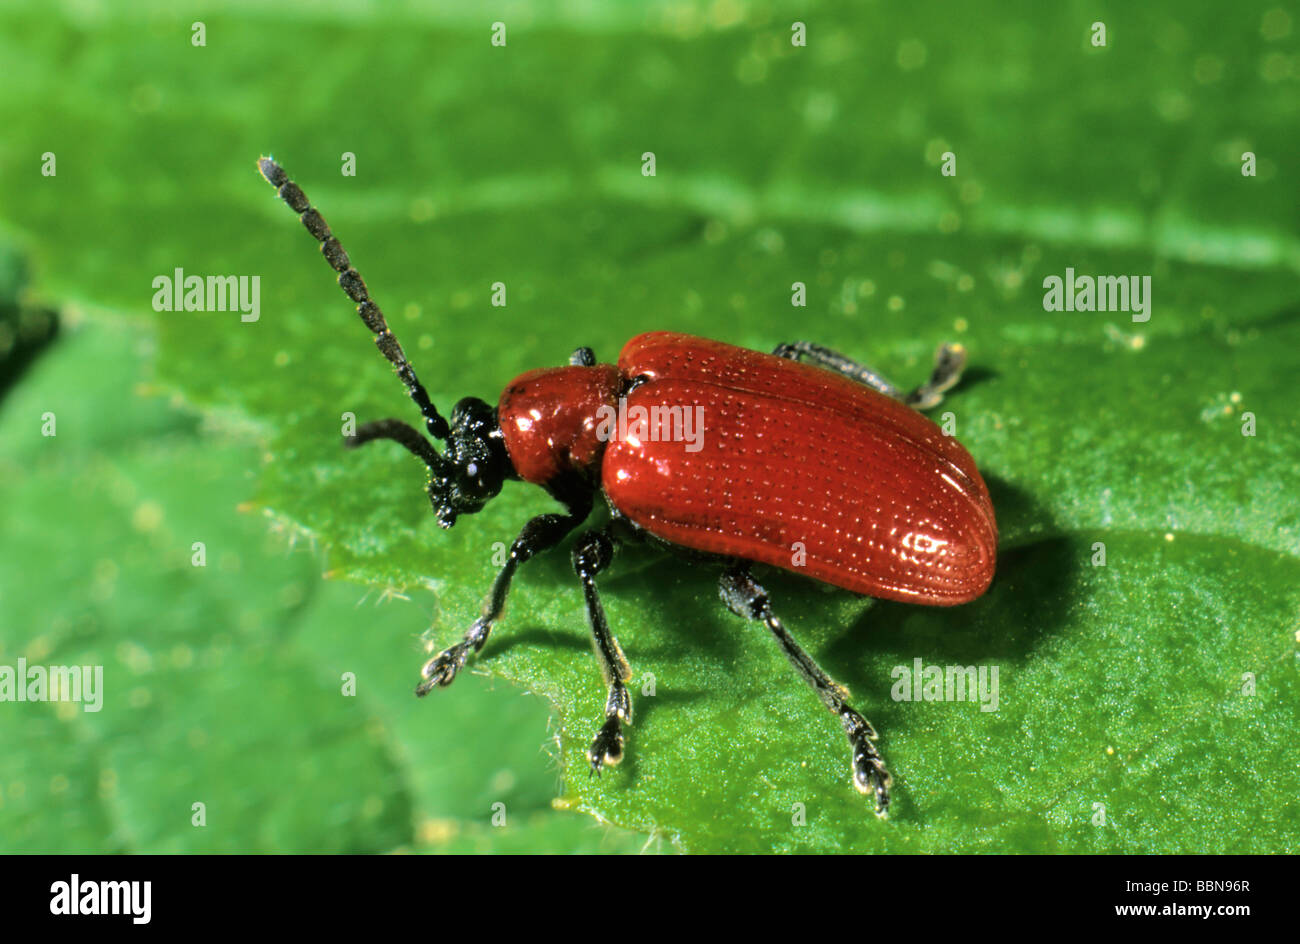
(535, 637)
(678, 603)
(646, 705)
(674, 606)
(972, 377)
(1028, 601)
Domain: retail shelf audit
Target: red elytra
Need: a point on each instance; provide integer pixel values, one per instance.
(792, 458)
(822, 470)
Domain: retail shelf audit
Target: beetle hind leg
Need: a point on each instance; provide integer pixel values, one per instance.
(591, 555)
(582, 357)
(949, 361)
(745, 597)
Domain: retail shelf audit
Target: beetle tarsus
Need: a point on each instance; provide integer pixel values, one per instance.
(870, 775)
(441, 670)
(949, 361)
(607, 747)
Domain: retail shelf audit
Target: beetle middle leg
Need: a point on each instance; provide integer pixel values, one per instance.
(591, 555)
(745, 597)
(539, 534)
(949, 360)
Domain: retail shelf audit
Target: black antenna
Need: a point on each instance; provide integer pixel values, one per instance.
(351, 282)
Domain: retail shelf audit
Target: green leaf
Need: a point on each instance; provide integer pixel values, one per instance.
(1123, 687)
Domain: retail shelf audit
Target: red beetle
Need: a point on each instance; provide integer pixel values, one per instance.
(726, 454)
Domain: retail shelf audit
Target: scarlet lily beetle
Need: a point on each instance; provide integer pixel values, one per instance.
(801, 448)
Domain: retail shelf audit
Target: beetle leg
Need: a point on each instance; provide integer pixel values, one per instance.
(745, 597)
(591, 555)
(949, 360)
(582, 357)
(539, 534)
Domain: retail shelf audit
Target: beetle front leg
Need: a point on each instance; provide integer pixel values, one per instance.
(539, 534)
(949, 360)
(745, 597)
(591, 555)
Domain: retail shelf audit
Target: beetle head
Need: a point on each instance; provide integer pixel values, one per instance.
(474, 463)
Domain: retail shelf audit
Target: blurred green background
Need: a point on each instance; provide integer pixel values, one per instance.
(1149, 704)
